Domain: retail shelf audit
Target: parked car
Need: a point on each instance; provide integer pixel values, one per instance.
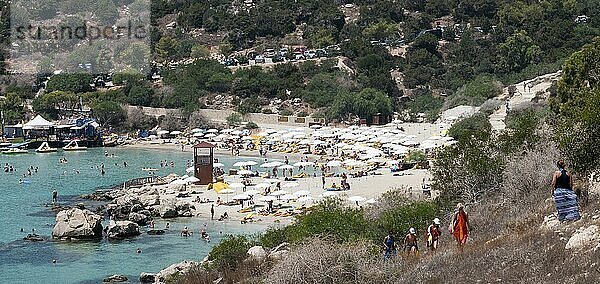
(259, 59)
(283, 52)
(321, 52)
(269, 53)
(310, 54)
(252, 55)
(299, 56)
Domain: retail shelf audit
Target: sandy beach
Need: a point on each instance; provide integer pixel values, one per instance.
(369, 187)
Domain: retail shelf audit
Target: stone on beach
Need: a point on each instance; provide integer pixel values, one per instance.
(77, 224)
(140, 219)
(584, 238)
(115, 278)
(257, 252)
(177, 268)
(147, 277)
(122, 229)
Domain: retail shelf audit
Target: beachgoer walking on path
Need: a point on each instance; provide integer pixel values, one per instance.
(564, 196)
(54, 195)
(410, 242)
(433, 234)
(459, 227)
(323, 181)
(212, 211)
(389, 243)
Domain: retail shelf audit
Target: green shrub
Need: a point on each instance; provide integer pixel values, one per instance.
(302, 114)
(286, 112)
(251, 125)
(416, 156)
(425, 103)
(330, 218)
(234, 119)
(477, 126)
(416, 215)
(230, 251)
(476, 92)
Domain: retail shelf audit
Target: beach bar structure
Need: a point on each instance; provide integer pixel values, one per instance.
(203, 162)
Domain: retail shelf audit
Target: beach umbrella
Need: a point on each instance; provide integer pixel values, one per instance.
(162, 132)
(290, 184)
(198, 134)
(375, 160)
(212, 130)
(267, 198)
(240, 164)
(218, 165)
(226, 191)
(210, 135)
(329, 194)
(251, 163)
(334, 164)
(263, 185)
(279, 193)
(268, 165)
(271, 180)
(227, 130)
(371, 201)
(241, 196)
(302, 193)
(286, 167)
(356, 198)
(175, 132)
(236, 185)
(189, 170)
(252, 192)
(305, 199)
(287, 197)
(191, 179)
(247, 138)
(245, 172)
(304, 164)
(178, 182)
(196, 130)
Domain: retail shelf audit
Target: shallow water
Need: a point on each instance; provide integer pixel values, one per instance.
(23, 207)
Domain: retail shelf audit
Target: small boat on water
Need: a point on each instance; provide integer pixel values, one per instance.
(45, 148)
(14, 151)
(74, 146)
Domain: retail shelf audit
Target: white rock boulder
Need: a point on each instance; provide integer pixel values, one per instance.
(177, 268)
(77, 224)
(584, 238)
(257, 252)
(122, 229)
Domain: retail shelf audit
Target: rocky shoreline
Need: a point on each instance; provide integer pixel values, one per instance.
(127, 209)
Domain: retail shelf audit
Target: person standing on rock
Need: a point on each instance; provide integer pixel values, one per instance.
(459, 227)
(212, 211)
(54, 196)
(564, 196)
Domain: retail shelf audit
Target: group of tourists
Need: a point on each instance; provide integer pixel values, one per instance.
(458, 228)
(565, 198)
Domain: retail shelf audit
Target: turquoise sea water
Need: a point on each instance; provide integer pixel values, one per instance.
(23, 207)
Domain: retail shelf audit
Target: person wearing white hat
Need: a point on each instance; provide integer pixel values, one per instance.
(410, 242)
(433, 234)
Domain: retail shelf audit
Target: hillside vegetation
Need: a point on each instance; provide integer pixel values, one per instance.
(409, 57)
